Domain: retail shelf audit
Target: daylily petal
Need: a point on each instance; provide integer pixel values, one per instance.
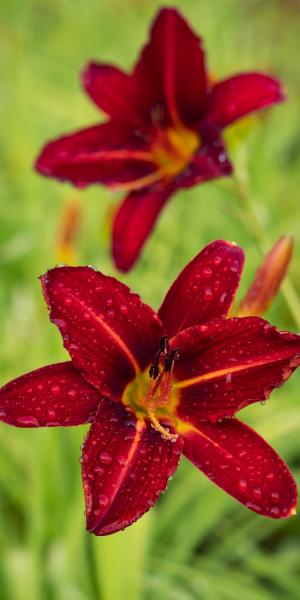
(169, 78)
(134, 221)
(110, 153)
(210, 162)
(205, 289)
(50, 396)
(241, 462)
(125, 466)
(109, 332)
(230, 363)
(240, 95)
(113, 91)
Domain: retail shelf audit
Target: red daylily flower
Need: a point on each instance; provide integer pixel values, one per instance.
(155, 386)
(164, 130)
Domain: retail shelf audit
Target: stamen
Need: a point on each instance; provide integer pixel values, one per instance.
(165, 433)
(170, 359)
(164, 344)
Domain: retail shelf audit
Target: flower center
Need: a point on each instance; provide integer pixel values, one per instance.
(174, 148)
(151, 395)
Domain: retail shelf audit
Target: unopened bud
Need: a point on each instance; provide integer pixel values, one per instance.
(267, 279)
(68, 232)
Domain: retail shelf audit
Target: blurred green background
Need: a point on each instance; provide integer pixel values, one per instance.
(197, 542)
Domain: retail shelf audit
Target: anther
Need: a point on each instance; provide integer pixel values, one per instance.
(154, 369)
(171, 359)
(164, 344)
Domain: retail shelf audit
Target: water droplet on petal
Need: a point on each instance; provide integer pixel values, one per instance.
(68, 301)
(242, 485)
(123, 309)
(28, 421)
(51, 412)
(275, 496)
(257, 492)
(270, 476)
(207, 272)
(217, 260)
(122, 460)
(275, 512)
(55, 389)
(99, 470)
(105, 458)
(103, 500)
(208, 293)
(253, 506)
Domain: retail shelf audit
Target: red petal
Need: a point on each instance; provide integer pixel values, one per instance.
(113, 91)
(239, 461)
(125, 466)
(210, 162)
(133, 223)
(52, 395)
(110, 153)
(205, 289)
(240, 95)
(171, 71)
(227, 364)
(108, 331)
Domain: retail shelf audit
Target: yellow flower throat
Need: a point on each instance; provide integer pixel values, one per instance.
(153, 397)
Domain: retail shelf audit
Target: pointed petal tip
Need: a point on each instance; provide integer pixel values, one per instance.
(125, 467)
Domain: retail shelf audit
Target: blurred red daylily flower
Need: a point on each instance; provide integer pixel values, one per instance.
(155, 386)
(164, 132)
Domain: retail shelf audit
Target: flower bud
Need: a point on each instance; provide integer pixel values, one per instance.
(268, 279)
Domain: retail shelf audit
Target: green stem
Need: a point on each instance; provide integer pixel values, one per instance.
(257, 230)
(92, 563)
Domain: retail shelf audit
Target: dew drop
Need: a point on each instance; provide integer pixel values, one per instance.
(270, 476)
(51, 412)
(207, 272)
(28, 421)
(208, 293)
(55, 389)
(61, 323)
(103, 500)
(105, 458)
(275, 496)
(2, 413)
(257, 492)
(242, 485)
(275, 512)
(68, 301)
(122, 460)
(99, 470)
(222, 157)
(253, 506)
(72, 393)
(242, 453)
(123, 309)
